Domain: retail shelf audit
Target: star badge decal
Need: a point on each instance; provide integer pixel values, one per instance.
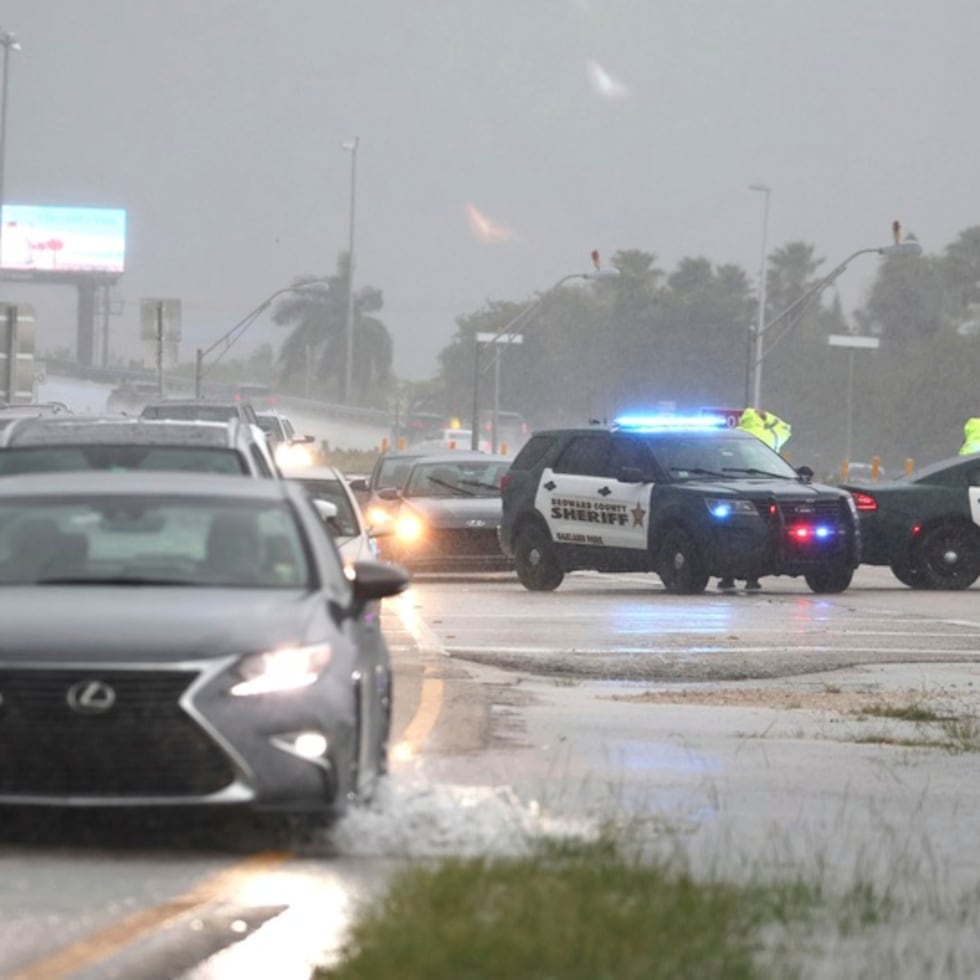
(638, 514)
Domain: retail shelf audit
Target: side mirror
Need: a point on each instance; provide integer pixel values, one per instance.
(300, 440)
(389, 493)
(631, 474)
(376, 579)
(805, 472)
(358, 483)
(326, 510)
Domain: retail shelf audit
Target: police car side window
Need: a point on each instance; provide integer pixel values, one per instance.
(629, 453)
(586, 456)
(532, 452)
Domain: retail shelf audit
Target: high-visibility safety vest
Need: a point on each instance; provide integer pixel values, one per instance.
(971, 435)
(771, 429)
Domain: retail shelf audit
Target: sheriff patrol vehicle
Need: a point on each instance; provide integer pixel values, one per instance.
(685, 498)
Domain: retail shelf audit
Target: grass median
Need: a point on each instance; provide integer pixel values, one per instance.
(571, 911)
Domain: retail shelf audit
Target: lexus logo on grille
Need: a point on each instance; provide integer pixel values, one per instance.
(476, 523)
(90, 697)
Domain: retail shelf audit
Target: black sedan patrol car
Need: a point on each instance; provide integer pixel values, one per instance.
(926, 527)
(684, 498)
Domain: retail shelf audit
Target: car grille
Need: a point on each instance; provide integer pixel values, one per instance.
(811, 511)
(144, 745)
(465, 542)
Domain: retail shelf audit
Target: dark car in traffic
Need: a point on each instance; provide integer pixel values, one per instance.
(185, 640)
(447, 515)
(926, 526)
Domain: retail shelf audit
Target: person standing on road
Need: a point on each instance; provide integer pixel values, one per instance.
(971, 436)
(771, 429)
(775, 433)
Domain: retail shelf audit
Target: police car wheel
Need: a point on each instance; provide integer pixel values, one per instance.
(536, 562)
(681, 568)
(949, 556)
(830, 578)
(909, 573)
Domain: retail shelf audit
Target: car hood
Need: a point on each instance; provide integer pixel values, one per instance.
(762, 488)
(58, 623)
(456, 511)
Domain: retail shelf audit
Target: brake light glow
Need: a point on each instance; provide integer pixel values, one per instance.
(505, 481)
(864, 502)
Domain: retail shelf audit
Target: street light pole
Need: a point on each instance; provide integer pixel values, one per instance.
(796, 307)
(351, 146)
(231, 336)
(504, 334)
(9, 43)
(760, 323)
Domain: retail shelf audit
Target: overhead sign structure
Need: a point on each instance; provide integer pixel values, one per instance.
(17, 372)
(160, 332)
(500, 338)
(64, 242)
(851, 340)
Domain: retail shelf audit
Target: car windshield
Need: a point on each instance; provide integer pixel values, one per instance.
(696, 456)
(463, 478)
(137, 540)
(192, 459)
(394, 472)
(345, 523)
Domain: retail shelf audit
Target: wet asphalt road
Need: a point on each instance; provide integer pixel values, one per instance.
(523, 713)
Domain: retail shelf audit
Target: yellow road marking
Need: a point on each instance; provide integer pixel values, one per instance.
(100, 946)
(433, 689)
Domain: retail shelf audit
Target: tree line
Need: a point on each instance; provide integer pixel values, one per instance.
(653, 339)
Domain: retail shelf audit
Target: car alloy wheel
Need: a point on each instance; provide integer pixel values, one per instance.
(949, 556)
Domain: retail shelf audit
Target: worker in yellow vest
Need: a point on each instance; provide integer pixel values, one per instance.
(775, 433)
(971, 436)
(770, 428)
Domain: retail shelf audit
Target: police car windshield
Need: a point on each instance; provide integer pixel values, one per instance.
(719, 455)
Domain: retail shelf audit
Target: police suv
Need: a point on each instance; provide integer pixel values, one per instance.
(685, 498)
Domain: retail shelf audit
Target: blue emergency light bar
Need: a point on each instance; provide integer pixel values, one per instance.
(660, 423)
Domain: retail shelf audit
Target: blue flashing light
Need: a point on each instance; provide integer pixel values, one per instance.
(823, 532)
(655, 423)
(721, 511)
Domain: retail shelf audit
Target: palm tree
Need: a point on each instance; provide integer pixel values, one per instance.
(316, 347)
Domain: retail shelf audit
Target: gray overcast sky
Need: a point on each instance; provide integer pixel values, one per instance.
(217, 124)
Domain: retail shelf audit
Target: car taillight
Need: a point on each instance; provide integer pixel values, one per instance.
(504, 481)
(864, 501)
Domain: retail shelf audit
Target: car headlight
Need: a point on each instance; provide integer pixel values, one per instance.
(377, 515)
(281, 670)
(289, 454)
(724, 507)
(409, 528)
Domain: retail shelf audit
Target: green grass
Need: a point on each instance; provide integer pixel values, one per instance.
(933, 730)
(575, 911)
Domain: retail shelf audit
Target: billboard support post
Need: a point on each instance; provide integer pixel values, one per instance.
(160, 349)
(10, 381)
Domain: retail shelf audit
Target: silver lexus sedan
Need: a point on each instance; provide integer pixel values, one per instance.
(182, 639)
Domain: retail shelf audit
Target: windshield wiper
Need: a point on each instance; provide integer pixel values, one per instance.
(480, 484)
(751, 471)
(696, 471)
(450, 486)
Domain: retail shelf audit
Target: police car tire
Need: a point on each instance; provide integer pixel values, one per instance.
(681, 568)
(909, 573)
(536, 561)
(949, 556)
(830, 578)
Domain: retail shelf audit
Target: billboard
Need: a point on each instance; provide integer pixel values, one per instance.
(37, 238)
